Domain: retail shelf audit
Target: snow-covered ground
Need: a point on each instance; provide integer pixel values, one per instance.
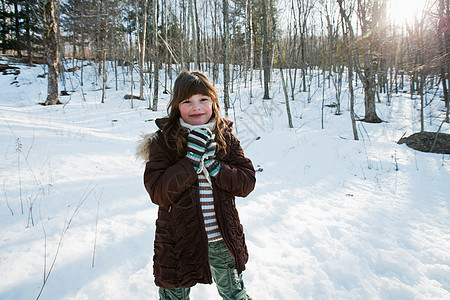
(330, 217)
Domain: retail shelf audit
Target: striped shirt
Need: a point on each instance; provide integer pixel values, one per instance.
(207, 204)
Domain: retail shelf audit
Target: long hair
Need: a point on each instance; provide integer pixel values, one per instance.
(186, 85)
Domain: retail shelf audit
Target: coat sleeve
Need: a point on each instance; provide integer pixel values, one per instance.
(237, 174)
(165, 181)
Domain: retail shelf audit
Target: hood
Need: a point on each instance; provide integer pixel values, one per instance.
(143, 148)
(161, 122)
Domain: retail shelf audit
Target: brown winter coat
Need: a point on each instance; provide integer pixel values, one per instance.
(181, 246)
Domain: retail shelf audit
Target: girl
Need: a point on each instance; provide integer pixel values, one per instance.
(195, 168)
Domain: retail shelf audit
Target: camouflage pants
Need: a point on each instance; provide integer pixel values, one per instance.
(223, 268)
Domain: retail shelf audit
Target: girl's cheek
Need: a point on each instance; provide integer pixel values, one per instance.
(207, 106)
(184, 108)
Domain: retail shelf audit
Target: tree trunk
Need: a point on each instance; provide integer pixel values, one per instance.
(104, 75)
(103, 34)
(369, 72)
(250, 21)
(17, 28)
(369, 96)
(277, 47)
(226, 52)
(444, 37)
(246, 31)
(368, 77)
(264, 53)
(166, 51)
(215, 46)
(197, 24)
(52, 53)
(293, 50)
(196, 35)
(193, 34)
(4, 30)
(28, 33)
(352, 98)
(304, 10)
(156, 57)
(83, 55)
(422, 104)
(142, 48)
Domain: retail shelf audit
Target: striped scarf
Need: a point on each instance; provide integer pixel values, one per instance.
(206, 192)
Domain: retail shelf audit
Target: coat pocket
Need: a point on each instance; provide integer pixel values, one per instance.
(165, 228)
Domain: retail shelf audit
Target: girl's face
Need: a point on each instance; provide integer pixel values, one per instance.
(196, 110)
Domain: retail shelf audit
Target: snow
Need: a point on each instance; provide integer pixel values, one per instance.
(330, 217)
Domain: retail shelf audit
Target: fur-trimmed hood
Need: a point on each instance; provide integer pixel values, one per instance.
(143, 149)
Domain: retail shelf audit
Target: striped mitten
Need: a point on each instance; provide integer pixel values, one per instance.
(196, 147)
(211, 164)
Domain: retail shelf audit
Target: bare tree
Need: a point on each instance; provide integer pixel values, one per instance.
(368, 76)
(156, 63)
(277, 48)
(102, 34)
(226, 53)
(141, 40)
(52, 51)
(305, 7)
(369, 15)
(249, 24)
(444, 45)
(265, 58)
(348, 49)
(193, 29)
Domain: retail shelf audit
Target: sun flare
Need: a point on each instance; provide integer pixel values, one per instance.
(405, 11)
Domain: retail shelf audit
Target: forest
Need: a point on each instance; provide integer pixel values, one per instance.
(323, 96)
(380, 43)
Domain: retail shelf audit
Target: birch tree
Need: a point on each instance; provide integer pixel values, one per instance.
(142, 42)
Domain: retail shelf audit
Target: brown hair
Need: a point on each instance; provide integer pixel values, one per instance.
(186, 85)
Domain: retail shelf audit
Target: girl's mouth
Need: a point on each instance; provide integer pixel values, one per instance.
(196, 115)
